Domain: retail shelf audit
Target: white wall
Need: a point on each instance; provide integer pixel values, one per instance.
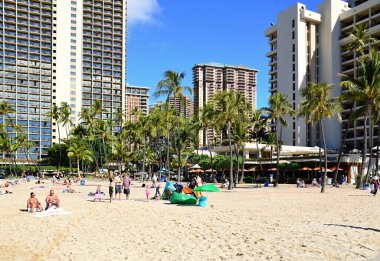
(329, 60)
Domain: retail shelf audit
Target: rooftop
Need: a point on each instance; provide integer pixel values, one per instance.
(223, 65)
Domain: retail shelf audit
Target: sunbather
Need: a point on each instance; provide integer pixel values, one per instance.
(33, 203)
(52, 200)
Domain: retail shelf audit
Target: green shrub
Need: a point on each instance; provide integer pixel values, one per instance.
(248, 180)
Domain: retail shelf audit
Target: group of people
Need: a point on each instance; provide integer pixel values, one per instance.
(120, 183)
(34, 204)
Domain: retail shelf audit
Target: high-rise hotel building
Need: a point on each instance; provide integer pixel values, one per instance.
(136, 99)
(54, 51)
(183, 106)
(307, 46)
(208, 79)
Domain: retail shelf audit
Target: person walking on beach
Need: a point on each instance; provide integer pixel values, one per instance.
(127, 185)
(110, 187)
(118, 186)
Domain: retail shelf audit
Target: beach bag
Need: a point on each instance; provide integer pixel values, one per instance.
(373, 191)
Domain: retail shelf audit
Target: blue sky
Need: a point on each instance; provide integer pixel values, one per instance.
(176, 34)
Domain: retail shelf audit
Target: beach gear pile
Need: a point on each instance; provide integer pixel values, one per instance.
(177, 194)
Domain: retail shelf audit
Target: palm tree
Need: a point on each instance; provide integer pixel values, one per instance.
(259, 124)
(359, 38)
(229, 107)
(79, 151)
(5, 109)
(316, 106)
(366, 87)
(206, 118)
(55, 114)
(240, 137)
(171, 85)
(64, 118)
(279, 109)
(347, 99)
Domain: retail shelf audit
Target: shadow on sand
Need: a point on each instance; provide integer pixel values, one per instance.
(355, 227)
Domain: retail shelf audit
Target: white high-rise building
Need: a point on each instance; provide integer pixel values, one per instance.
(305, 48)
(309, 46)
(54, 51)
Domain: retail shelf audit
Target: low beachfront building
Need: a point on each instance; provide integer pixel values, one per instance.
(307, 158)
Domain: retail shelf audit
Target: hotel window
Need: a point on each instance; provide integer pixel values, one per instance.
(293, 35)
(294, 76)
(294, 67)
(294, 47)
(293, 23)
(294, 96)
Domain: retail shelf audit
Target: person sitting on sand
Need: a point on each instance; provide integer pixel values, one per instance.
(314, 183)
(52, 200)
(225, 184)
(69, 190)
(33, 203)
(98, 194)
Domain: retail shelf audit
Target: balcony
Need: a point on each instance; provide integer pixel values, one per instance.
(271, 53)
(271, 30)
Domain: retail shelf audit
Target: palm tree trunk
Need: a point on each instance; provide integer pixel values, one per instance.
(325, 156)
(78, 168)
(70, 161)
(101, 157)
(277, 159)
(168, 148)
(231, 185)
(364, 159)
(60, 149)
(144, 152)
(377, 148)
(243, 161)
(370, 147)
(342, 145)
(237, 160)
(105, 151)
(258, 157)
(179, 140)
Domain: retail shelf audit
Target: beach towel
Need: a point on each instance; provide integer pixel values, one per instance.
(52, 212)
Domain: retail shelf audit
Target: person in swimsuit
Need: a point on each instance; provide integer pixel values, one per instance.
(118, 186)
(110, 188)
(127, 185)
(52, 200)
(33, 203)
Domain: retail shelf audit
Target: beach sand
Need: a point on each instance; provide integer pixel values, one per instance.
(248, 223)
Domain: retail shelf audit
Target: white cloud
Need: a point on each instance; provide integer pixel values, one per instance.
(142, 11)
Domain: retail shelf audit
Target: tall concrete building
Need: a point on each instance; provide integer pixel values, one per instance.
(184, 106)
(308, 46)
(54, 51)
(208, 79)
(366, 13)
(136, 99)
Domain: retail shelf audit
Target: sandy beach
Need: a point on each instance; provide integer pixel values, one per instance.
(248, 223)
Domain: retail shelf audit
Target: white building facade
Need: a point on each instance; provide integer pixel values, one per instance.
(307, 47)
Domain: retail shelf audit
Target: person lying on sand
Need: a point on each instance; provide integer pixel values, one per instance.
(52, 200)
(33, 203)
(69, 190)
